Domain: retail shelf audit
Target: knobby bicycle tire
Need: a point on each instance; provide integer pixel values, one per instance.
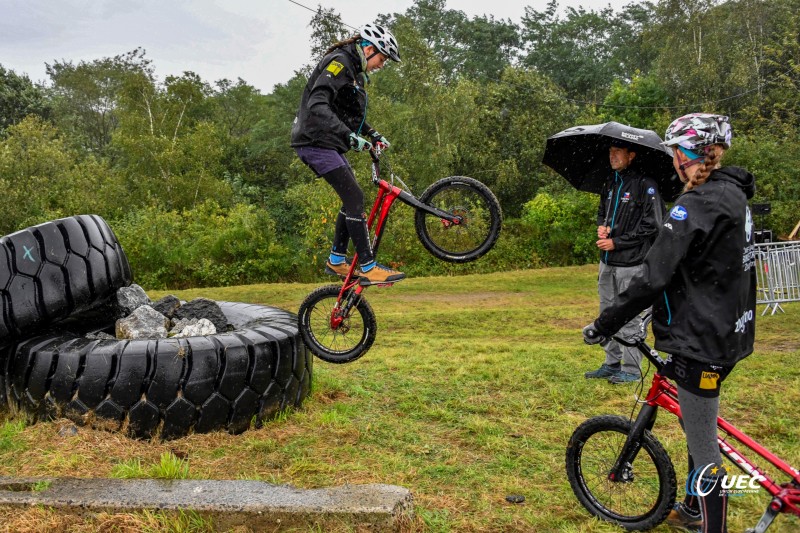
(479, 230)
(591, 453)
(167, 388)
(334, 345)
(55, 269)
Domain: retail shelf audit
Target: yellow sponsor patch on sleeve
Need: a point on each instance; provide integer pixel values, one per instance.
(709, 380)
(334, 67)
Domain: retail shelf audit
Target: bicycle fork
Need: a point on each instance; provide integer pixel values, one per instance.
(349, 297)
(622, 471)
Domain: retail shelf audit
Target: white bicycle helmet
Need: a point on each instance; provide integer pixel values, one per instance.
(695, 131)
(382, 39)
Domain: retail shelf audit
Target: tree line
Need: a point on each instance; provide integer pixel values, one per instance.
(199, 182)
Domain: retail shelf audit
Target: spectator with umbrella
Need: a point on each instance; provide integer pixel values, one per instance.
(628, 218)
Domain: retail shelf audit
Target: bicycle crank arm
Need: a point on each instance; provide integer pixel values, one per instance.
(411, 200)
(766, 519)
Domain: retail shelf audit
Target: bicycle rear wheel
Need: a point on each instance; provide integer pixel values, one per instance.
(334, 335)
(478, 229)
(644, 494)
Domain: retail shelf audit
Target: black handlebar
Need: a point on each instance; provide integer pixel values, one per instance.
(638, 342)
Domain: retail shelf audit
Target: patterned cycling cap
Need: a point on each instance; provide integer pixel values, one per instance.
(698, 130)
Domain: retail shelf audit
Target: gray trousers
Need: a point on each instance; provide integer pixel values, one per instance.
(611, 281)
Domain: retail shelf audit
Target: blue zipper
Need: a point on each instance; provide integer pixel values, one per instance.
(616, 203)
(366, 104)
(669, 311)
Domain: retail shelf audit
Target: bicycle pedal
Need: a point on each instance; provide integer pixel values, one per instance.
(367, 283)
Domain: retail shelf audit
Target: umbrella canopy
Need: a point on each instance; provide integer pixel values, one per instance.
(580, 154)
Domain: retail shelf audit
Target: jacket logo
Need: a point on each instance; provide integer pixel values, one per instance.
(708, 380)
(651, 191)
(334, 68)
(626, 197)
(678, 213)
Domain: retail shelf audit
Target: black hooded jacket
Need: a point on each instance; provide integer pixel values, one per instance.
(699, 275)
(632, 207)
(334, 103)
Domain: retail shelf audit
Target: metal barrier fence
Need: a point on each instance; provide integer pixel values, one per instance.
(778, 269)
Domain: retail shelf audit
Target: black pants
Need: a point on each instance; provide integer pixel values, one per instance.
(351, 221)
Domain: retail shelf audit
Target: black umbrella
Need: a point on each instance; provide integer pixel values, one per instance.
(580, 154)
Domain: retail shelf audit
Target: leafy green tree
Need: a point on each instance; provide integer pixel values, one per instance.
(165, 146)
(575, 52)
(640, 103)
(776, 105)
(478, 48)
(486, 47)
(505, 144)
(42, 177)
(86, 96)
(19, 97)
(326, 28)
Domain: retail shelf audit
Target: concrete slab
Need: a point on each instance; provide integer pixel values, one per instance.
(231, 503)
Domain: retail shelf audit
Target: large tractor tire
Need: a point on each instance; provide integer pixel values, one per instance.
(55, 269)
(165, 389)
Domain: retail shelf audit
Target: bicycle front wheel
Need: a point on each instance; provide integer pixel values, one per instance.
(480, 219)
(335, 331)
(645, 492)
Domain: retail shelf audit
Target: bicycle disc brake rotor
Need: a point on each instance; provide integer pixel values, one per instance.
(339, 323)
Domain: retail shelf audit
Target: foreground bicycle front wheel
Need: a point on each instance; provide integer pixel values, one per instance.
(645, 492)
(480, 219)
(337, 331)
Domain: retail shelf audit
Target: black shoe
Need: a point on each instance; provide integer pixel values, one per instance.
(605, 371)
(624, 377)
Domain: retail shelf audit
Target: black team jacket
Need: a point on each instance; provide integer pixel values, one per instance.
(700, 275)
(334, 103)
(632, 207)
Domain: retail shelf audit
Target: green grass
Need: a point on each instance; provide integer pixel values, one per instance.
(469, 394)
(168, 467)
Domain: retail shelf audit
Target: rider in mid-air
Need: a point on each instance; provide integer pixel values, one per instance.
(331, 120)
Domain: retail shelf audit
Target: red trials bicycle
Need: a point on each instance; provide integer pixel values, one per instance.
(621, 473)
(457, 219)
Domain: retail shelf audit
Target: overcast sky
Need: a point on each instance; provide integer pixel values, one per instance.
(260, 41)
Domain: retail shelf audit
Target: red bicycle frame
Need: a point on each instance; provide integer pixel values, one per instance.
(662, 393)
(387, 194)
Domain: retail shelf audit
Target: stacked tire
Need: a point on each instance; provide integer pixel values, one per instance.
(145, 388)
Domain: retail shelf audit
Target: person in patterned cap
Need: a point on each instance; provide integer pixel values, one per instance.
(700, 279)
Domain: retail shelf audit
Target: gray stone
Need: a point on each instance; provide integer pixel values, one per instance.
(167, 305)
(131, 298)
(253, 504)
(192, 328)
(100, 336)
(144, 323)
(68, 431)
(179, 324)
(204, 308)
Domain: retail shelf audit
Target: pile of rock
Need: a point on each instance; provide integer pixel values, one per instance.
(138, 317)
